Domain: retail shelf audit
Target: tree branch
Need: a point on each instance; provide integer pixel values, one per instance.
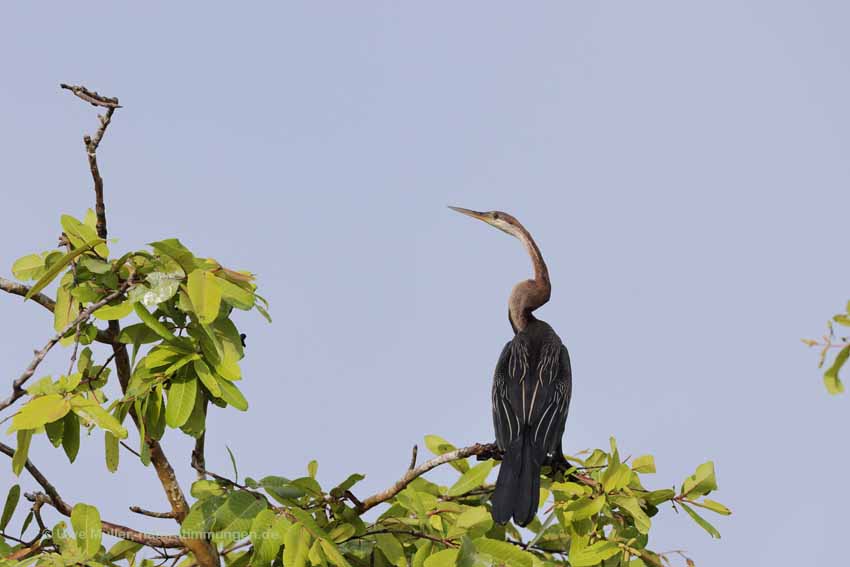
(17, 385)
(205, 552)
(51, 496)
(482, 450)
(148, 513)
(20, 289)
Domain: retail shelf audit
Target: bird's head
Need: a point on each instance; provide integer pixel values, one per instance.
(502, 221)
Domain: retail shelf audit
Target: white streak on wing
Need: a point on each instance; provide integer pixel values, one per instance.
(542, 418)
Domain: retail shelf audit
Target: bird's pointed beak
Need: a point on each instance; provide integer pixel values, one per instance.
(470, 213)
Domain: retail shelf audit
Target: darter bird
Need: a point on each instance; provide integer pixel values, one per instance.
(532, 386)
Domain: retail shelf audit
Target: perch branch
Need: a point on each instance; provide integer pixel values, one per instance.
(481, 450)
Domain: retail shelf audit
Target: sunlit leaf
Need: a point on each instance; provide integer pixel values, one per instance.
(700, 521)
(205, 295)
(39, 411)
(471, 479)
(85, 520)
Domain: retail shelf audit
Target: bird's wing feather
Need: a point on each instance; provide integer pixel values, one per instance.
(505, 420)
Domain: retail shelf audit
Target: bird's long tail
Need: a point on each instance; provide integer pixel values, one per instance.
(517, 492)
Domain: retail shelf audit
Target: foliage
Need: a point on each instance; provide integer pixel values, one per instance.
(831, 379)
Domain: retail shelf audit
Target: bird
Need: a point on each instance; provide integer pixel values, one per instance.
(532, 387)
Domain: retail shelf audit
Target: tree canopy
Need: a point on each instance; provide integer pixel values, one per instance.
(166, 317)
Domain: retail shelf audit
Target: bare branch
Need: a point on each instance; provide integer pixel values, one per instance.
(413, 458)
(479, 449)
(22, 290)
(17, 385)
(143, 512)
(92, 97)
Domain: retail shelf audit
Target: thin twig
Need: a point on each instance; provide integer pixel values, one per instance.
(413, 458)
(126, 446)
(91, 96)
(150, 514)
(17, 385)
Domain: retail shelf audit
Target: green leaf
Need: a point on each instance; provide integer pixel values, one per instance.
(123, 550)
(205, 488)
(296, 547)
(233, 463)
(422, 554)
(312, 468)
(281, 489)
(631, 505)
(67, 545)
(615, 477)
(714, 507)
(199, 520)
(161, 287)
(503, 552)
(39, 411)
(342, 532)
(471, 479)
(236, 515)
(644, 464)
(9, 508)
(71, 436)
(153, 323)
(80, 235)
(701, 521)
(231, 394)
(585, 507)
(444, 558)
(111, 450)
(114, 312)
(28, 267)
(593, 554)
(67, 307)
(830, 377)
(267, 534)
(334, 556)
(60, 265)
(21, 451)
(392, 549)
(138, 334)
(656, 497)
(235, 295)
(207, 378)
(91, 411)
(702, 482)
(175, 250)
(181, 401)
(440, 446)
(205, 295)
(306, 520)
(85, 520)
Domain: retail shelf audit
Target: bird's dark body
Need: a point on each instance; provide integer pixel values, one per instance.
(532, 387)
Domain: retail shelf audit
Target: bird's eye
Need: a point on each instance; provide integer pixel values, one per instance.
(495, 216)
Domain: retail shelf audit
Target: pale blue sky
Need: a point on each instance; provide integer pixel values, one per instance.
(682, 165)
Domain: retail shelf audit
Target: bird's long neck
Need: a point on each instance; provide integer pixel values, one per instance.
(528, 295)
